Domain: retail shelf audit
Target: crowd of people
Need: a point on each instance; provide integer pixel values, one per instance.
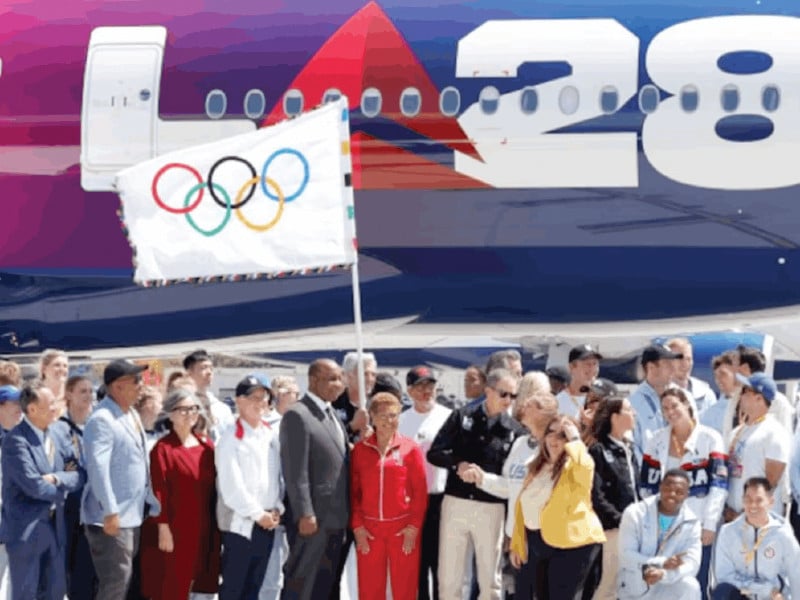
(552, 485)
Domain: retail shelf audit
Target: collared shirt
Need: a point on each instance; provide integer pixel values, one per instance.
(45, 439)
(248, 475)
(329, 412)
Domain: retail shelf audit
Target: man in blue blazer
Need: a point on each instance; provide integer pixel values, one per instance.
(38, 471)
(117, 496)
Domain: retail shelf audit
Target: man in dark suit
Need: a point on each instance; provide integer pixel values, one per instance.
(38, 471)
(315, 460)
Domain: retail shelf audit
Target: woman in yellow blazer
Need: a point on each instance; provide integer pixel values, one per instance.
(557, 534)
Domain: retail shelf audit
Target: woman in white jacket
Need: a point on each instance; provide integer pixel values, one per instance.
(698, 450)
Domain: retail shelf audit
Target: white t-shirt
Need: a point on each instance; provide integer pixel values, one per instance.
(570, 405)
(751, 446)
(422, 428)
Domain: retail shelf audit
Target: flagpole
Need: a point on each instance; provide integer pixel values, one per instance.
(362, 394)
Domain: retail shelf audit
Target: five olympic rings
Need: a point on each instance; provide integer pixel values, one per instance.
(269, 188)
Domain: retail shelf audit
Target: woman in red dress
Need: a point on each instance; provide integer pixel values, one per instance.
(180, 547)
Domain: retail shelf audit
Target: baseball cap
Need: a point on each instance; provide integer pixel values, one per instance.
(385, 382)
(760, 383)
(252, 383)
(420, 374)
(121, 368)
(584, 351)
(603, 387)
(656, 352)
(9, 393)
(559, 373)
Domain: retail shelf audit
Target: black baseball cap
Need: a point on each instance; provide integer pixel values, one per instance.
(121, 368)
(559, 373)
(656, 352)
(385, 382)
(603, 387)
(420, 374)
(584, 351)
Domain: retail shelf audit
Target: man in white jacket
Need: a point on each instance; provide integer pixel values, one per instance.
(251, 489)
(757, 554)
(659, 545)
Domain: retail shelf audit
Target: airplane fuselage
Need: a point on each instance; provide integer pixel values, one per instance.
(568, 162)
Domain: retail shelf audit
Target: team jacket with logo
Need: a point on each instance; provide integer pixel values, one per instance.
(467, 436)
(704, 461)
(388, 488)
(758, 560)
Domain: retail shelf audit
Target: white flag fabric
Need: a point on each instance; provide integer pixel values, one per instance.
(272, 201)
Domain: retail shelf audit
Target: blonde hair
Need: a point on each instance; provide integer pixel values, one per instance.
(10, 373)
(281, 383)
(49, 356)
(381, 400)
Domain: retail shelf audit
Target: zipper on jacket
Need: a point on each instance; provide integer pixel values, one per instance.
(755, 551)
(380, 490)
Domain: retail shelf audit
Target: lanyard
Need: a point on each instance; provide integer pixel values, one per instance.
(749, 555)
(740, 432)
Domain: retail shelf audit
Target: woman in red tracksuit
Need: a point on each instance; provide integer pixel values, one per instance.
(389, 495)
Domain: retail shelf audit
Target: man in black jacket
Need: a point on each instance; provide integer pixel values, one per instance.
(475, 435)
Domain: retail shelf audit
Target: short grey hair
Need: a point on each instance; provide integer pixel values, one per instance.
(498, 375)
(175, 396)
(350, 362)
(502, 359)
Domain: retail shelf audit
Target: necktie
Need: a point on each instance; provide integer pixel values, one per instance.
(334, 427)
(49, 449)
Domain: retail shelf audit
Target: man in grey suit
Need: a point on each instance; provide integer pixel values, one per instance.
(118, 480)
(315, 457)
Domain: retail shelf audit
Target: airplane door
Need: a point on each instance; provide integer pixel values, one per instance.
(120, 108)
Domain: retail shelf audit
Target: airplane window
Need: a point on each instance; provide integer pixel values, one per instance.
(254, 104)
(410, 102)
(529, 101)
(216, 104)
(569, 99)
(690, 98)
(331, 95)
(450, 101)
(293, 103)
(771, 98)
(649, 99)
(489, 99)
(371, 102)
(729, 98)
(609, 99)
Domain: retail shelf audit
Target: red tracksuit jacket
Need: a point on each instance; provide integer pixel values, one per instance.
(389, 488)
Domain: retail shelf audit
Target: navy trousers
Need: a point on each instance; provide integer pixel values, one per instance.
(244, 563)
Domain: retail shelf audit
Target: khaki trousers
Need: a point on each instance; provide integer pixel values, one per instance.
(607, 590)
(468, 523)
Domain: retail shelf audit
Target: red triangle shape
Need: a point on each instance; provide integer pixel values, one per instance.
(380, 165)
(368, 51)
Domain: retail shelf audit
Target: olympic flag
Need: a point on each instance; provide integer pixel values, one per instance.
(276, 200)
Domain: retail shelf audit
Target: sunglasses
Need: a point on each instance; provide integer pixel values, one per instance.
(503, 394)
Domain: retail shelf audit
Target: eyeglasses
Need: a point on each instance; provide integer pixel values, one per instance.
(503, 394)
(392, 416)
(185, 411)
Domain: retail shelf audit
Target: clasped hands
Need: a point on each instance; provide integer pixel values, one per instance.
(470, 473)
(362, 537)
